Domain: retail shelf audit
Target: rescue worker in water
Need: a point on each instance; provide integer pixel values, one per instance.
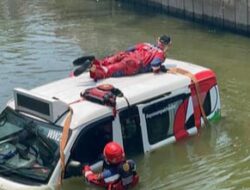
(141, 58)
(117, 173)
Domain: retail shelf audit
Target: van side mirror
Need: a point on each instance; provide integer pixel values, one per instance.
(73, 169)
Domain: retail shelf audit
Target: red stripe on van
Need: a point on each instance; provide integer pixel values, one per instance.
(179, 122)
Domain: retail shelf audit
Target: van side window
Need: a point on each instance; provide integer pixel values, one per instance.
(157, 119)
(91, 141)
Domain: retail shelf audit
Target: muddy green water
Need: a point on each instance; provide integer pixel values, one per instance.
(39, 40)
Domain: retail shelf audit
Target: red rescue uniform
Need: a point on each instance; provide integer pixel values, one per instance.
(137, 59)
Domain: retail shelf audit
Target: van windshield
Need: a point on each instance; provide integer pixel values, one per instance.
(29, 149)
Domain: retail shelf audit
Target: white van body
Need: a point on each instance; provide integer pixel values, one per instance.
(162, 109)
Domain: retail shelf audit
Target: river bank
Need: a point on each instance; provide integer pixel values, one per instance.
(232, 15)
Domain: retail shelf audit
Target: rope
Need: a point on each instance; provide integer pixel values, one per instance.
(63, 143)
(176, 70)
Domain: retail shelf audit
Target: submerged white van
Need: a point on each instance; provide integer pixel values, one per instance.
(155, 110)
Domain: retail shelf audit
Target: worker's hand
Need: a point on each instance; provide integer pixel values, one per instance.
(87, 173)
(156, 69)
(85, 169)
(163, 69)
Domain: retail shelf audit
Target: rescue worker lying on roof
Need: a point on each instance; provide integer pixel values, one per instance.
(141, 58)
(117, 173)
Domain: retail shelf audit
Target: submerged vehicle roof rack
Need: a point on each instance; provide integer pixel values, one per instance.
(43, 107)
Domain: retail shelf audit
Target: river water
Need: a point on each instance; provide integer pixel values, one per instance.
(39, 40)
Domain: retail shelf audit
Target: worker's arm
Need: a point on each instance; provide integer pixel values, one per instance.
(157, 61)
(110, 175)
(156, 64)
(107, 176)
(93, 178)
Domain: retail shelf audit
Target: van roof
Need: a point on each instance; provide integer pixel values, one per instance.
(136, 88)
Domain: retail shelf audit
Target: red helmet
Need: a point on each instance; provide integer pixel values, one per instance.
(114, 153)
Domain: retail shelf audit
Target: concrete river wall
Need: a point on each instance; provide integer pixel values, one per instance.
(229, 14)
